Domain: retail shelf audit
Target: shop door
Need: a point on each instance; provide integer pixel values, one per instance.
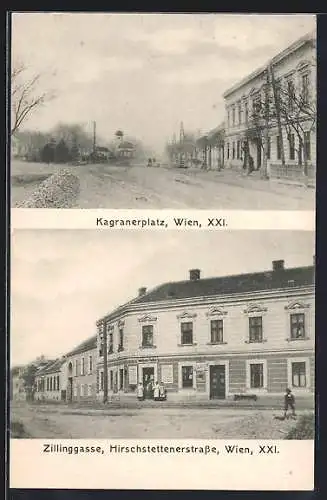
(217, 382)
(148, 381)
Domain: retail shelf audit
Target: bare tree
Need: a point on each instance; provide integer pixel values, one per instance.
(26, 97)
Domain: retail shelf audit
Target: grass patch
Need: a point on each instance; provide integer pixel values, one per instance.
(22, 180)
(304, 428)
(17, 430)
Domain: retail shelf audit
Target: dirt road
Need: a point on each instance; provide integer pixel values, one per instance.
(104, 186)
(50, 421)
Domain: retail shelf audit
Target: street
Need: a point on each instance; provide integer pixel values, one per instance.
(62, 421)
(139, 187)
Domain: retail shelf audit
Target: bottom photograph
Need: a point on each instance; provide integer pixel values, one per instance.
(172, 334)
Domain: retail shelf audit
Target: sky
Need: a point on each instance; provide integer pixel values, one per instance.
(145, 73)
(62, 281)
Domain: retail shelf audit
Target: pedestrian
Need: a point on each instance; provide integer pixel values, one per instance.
(156, 391)
(251, 165)
(140, 392)
(162, 392)
(289, 402)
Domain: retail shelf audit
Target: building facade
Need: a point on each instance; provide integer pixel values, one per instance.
(214, 338)
(291, 77)
(79, 373)
(49, 382)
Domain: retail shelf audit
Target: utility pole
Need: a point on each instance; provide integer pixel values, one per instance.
(277, 107)
(105, 363)
(266, 136)
(94, 137)
(181, 141)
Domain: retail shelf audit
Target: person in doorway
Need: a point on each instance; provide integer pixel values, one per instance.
(140, 392)
(289, 403)
(156, 391)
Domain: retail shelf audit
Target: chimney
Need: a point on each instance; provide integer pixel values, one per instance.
(195, 274)
(278, 265)
(142, 291)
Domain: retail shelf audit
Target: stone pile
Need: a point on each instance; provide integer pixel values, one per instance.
(60, 190)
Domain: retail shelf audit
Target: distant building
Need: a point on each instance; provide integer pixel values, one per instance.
(80, 372)
(215, 338)
(294, 69)
(17, 389)
(125, 150)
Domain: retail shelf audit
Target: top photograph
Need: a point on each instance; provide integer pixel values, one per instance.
(162, 111)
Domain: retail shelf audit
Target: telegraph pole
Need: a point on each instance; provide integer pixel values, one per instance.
(277, 107)
(105, 363)
(94, 136)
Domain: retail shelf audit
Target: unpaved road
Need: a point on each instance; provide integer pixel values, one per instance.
(139, 187)
(51, 421)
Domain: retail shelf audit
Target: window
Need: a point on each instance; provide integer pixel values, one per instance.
(256, 376)
(187, 333)
(101, 381)
(238, 150)
(82, 390)
(305, 88)
(111, 380)
(291, 146)
(299, 378)
(58, 383)
(121, 339)
(83, 366)
(290, 94)
(47, 384)
(147, 335)
(228, 118)
(246, 111)
(217, 331)
(233, 150)
(255, 329)
(297, 326)
(256, 103)
(239, 114)
(111, 343)
(187, 376)
(90, 364)
(121, 379)
(233, 116)
(268, 148)
(307, 145)
(89, 390)
(227, 150)
(279, 147)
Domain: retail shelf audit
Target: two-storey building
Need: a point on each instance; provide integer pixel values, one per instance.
(214, 338)
(80, 371)
(294, 71)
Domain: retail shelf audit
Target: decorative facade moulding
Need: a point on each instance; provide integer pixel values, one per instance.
(255, 309)
(147, 319)
(303, 65)
(296, 305)
(186, 315)
(121, 323)
(216, 311)
(110, 328)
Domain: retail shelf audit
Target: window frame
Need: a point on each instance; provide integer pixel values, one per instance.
(143, 344)
(182, 364)
(186, 322)
(290, 362)
(302, 314)
(256, 361)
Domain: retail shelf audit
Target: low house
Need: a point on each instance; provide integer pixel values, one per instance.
(48, 382)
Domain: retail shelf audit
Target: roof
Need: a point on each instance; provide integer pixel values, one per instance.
(309, 37)
(126, 145)
(50, 367)
(227, 285)
(87, 345)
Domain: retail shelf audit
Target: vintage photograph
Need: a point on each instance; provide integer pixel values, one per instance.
(114, 110)
(209, 337)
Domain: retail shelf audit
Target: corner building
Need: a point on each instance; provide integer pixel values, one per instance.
(214, 338)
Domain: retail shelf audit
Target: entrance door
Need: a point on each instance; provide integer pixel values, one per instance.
(148, 381)
(70, 389)
(217, 382)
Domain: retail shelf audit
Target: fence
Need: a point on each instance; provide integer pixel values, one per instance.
(293, 174)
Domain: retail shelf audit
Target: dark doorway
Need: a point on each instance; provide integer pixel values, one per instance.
(70, 390)
(148, 381)
(217, 382)
(259, 156)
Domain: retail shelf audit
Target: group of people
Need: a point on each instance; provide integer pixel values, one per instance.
(152, 390)
(152, 162)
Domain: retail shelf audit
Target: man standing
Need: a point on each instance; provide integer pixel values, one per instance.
(289, 402)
